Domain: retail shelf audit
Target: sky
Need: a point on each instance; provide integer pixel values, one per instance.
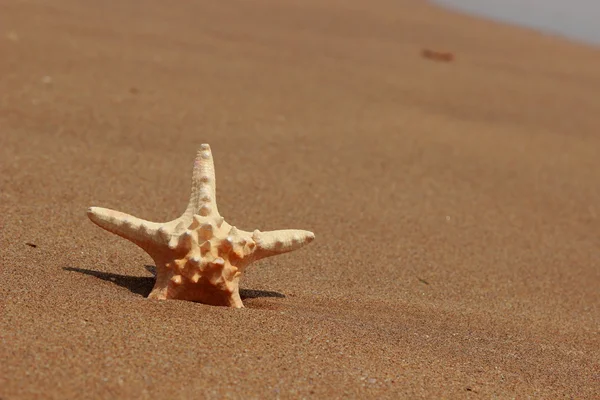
(575, 19)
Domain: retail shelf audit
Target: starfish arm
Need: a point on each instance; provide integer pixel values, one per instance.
(141, 232)
(203, 198)
(281, 241)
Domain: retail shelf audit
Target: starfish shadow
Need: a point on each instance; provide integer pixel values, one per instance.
(255, 294)
(143, 285)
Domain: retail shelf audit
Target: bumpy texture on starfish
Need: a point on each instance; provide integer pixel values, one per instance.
(199, 256)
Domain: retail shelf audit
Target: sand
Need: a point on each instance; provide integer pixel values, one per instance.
(456, 205)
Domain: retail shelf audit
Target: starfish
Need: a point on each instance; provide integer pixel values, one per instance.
(199, 256)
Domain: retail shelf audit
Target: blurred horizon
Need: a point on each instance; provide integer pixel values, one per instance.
(575, 20)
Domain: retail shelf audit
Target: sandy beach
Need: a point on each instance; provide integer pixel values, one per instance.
(455, 203)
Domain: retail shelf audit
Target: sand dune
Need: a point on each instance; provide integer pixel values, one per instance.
(456, 205)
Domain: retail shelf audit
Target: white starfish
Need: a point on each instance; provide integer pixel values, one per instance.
(199, 256)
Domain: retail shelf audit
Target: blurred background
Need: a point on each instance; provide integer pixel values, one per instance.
(575, 19)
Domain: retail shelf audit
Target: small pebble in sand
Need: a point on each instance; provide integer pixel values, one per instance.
(47, 80)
